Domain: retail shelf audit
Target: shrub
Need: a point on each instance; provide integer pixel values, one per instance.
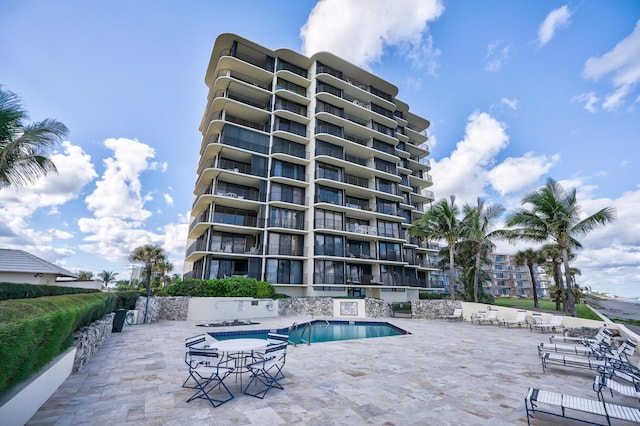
(226, 287)
(35, 331)
(10, 291)
(430, 296)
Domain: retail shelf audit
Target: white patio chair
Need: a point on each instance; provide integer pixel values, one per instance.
(521, 318)
(554, 323)
(456, 316)
(266, 372)
(489, 318)
(208, 368)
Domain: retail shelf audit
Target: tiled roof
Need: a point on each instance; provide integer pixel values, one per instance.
(21, 261)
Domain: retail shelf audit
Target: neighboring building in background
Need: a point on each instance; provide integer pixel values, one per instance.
(310, 173)
(510, 279)
(17, 266)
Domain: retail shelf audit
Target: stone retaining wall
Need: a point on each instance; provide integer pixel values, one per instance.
(163, 308)
(433, 309)
(377, 308)
(88, 339)
(315, 306)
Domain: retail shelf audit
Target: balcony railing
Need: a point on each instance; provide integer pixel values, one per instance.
(284, 250)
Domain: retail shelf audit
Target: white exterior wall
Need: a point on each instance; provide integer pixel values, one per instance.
(230, 308)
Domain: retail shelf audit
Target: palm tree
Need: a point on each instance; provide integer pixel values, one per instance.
(85, 275)
(478, 225)
(441, 222)
(531, 257)
(555, 214)
(150, 255)
(162, 268)
(107, 277)
(23, 146)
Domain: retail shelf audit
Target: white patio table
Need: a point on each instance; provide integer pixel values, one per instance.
(240, 350)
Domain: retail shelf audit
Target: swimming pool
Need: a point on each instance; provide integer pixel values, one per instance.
(321, 331)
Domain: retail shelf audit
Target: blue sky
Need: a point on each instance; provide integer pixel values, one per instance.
(515, 91)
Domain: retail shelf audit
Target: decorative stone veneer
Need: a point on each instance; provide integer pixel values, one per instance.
(433, 309)
(377, 308)
(584, 332)
(163, 308)
(315, 306)
(177, 308)
(88, 339)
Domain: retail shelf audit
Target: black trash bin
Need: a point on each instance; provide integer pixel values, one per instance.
(118, 320)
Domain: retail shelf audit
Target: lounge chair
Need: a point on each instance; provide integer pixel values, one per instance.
(618, 381)
(603, 359)
(521, 318)
(489, 318)
(554, 323)
(592, 347)
(457, 315)
(570, 407)
(603, 333)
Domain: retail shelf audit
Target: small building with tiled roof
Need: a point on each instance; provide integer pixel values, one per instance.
(18, 266)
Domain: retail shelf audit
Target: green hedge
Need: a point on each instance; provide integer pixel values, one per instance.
(226, 287)
(34, 331)
(26, 291)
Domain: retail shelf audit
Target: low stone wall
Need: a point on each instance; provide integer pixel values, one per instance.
(433, 309)
(88, 339)
(315, 306)
(163, 308)
(377, 308)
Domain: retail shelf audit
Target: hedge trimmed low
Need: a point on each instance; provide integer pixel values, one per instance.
(28, 291)
(35, 331)
(226, 287)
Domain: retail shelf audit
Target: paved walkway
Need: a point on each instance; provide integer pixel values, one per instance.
(444, 373)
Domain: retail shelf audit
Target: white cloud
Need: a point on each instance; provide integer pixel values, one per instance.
(464, 172)
(498, 53)
(623, 61)
(118, 192)
(555, 19)
(516, 173)
(75, 171)
(511, 103)
(590, 101)
(168, 199)
(360, 32)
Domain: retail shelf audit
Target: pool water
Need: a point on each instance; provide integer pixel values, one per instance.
(322, 331)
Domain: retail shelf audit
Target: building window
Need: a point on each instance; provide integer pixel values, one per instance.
(284, 271)
(287, 193)
(386, 207)
(288, 105)
(285, 218)
(284, 65)
(283, 84)
(245, 139)
(328, 272)
(286, 244)
(387, 186)
(290, 126)
(328, 219)
(329, 245)
(325, 194)
(390, 251)
(288, 147)
(388, 229)
(328, 171)
(289, 170)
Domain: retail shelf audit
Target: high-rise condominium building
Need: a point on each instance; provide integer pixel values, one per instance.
(310, 173)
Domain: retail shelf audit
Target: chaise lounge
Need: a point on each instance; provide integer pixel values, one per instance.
(570, 407)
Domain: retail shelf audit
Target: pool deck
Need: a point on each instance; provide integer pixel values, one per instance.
(444, 373)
